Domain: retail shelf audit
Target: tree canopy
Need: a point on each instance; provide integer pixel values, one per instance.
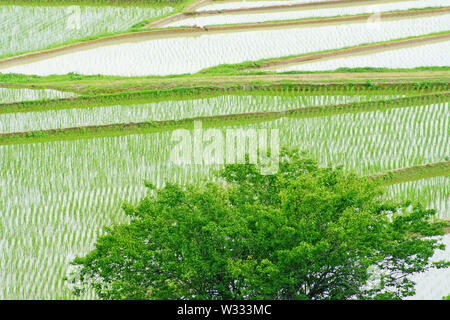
(303, 233)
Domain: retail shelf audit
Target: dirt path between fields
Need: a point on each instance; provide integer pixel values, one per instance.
(196, 31)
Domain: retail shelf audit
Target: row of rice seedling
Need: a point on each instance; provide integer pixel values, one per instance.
(55, 197)
(435, 283)
(182, 109)
(431, 54)
(10, 95)
(223, 5)
(180, 55)
(434, 192)
(30, 28)
(292, 14)
(120, 3)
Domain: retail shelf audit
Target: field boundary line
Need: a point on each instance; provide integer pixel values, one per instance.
(283, 7)
(414, 173)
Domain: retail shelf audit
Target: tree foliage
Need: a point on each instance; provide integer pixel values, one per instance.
(303, 233)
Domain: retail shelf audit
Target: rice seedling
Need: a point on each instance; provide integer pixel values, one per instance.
(180, 55)
(9, 95)
(434, 54)
(91, 2)
(30, 28)
(305, 13)
(434, 193)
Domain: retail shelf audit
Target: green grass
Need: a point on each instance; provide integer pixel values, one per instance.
(190, 93)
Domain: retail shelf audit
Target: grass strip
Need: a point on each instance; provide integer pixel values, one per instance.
(200, 92)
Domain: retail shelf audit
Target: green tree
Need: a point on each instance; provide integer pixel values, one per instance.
(303, 233)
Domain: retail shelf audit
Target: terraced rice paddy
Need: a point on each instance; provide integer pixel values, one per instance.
(293, 13)
(172, 110)
(409, 57)
(430, 283)
(251, 4)
(374, 141)
(181, 55)
(9, 95)
(56, 196)
(31, 28)
(59, 188)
